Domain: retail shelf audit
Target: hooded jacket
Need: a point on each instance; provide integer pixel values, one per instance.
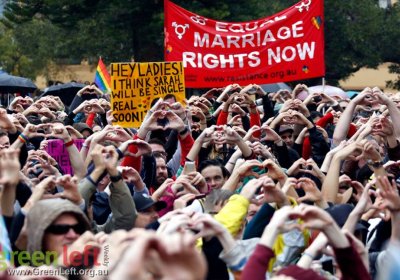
(43, 214)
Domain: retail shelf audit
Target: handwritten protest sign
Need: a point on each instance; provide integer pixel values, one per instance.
(136, 85)
(58, 151)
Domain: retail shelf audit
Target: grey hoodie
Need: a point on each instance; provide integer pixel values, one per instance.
(43, 214)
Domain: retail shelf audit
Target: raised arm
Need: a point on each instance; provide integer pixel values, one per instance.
(246, 169)
(9, 178)
(330, 186)
(343, 124)
(5, 122)
(59, 131)
(391, 201)
(87, 187)
(233, 138)
(121, 202)
(363, 204)
(204, 137)
(394, 112)
(29, 132)
(258, 262)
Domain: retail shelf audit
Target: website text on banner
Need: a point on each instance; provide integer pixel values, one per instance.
(136, 85)
(287, 46)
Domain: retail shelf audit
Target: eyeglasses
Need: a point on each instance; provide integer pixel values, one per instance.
(63, 229)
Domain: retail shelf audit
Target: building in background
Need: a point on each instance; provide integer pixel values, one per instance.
(369, 77)
(384, 4)
(83, 72)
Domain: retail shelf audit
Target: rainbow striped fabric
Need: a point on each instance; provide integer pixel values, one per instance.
(102, 78)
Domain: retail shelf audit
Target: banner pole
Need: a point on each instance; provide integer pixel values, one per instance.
(323, 91)
(165, 27)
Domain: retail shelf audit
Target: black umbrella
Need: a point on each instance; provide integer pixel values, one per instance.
(66, 92)
(14, 84)
(275, 87)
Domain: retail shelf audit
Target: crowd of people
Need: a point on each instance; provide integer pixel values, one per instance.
(237, 183)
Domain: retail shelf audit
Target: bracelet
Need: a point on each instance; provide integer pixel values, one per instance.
(69, 143)
(251, 156)
(22, 139)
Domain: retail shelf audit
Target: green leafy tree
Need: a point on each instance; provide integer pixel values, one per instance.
(13, 56)
(391, 42)
(29, 48)
(350, 33)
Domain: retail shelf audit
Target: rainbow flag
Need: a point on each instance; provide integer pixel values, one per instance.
(102, 78)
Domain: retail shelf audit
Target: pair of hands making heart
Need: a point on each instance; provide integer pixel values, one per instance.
(163, 120)
(220, 135)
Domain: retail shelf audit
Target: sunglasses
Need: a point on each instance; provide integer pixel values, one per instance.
(63, 229)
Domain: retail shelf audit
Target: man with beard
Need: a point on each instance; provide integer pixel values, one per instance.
(161, 171)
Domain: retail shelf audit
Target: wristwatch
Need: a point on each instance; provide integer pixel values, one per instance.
(115, 179)
(184, 131)
(375, 164)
